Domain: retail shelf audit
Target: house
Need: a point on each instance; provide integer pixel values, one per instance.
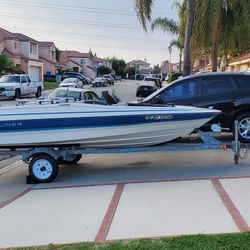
(138, 64)
(142, 68)
(23, 51)
(47, 54)
(97, 62)
(166, 67)
(241, 63)
(78, 62)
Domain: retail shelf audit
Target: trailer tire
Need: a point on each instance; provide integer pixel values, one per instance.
(43, 168)
(74, 160)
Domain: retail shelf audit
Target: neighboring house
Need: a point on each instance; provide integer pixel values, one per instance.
(78, 62)
(97, 62)
(23, 51)
(47, 54)
(141, 67)
(241, 63)
(176, 67)
(202, 63)
(138, 64)
(166, 67)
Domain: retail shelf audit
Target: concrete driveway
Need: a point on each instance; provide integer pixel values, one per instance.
(126, 196)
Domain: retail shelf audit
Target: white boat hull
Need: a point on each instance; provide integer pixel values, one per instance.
(148, 126)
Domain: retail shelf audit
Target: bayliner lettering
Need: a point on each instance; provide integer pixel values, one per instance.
(10, 124)
(158, 117)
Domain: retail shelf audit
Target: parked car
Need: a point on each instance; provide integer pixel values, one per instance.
(110, 80)
(100, 82)
(75, 94)
(157, 81)
(71, 82)
(225, 91)
(146, 88)
(83, 78)
(18, 85)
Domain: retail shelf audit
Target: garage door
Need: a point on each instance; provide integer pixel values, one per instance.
(34, 73)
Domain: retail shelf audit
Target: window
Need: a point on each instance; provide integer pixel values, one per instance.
(82, 61)
(15, 45)
(216, 86)
(243, 83)
(33, 49)
(183, 90)
(94, 96)
(23, 79)
(87, 96)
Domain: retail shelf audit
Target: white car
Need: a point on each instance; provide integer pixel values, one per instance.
(75, 94)
(71, 83)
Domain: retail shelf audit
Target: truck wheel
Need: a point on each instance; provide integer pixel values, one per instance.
(74, 160)
(43, 168)
(243, 127)
(17, 94)
(38, 92)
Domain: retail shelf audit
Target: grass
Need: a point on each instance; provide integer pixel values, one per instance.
(234, 241)
(50, 85)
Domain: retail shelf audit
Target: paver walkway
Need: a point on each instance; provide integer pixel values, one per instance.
(76, 210)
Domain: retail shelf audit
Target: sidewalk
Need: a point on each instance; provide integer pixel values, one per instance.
(77, 207)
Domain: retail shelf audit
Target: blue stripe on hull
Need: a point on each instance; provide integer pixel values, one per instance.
(75, 122)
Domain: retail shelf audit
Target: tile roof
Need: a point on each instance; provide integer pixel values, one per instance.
(5, 34)
(67, 54)
(46, 44)
(23, 38)
(11, 54)
(240, 58)
(138, 62)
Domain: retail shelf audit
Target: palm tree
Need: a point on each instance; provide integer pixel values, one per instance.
(144, 11)
(220, 27)
(178, 44)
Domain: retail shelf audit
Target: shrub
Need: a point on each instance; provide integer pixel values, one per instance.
(174, 76)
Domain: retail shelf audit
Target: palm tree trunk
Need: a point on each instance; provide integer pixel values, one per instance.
(188, 33)
(215, 43)
(180, 55)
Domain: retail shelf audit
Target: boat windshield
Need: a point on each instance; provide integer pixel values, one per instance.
(9, 78)
(61, 93)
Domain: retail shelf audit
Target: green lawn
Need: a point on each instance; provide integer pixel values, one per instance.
(235, 241)
(50, 85)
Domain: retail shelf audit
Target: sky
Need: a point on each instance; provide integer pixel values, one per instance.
(107, 27)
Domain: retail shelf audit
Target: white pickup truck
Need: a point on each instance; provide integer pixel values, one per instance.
(18, 85)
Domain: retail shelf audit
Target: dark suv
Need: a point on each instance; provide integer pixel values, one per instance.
(71, 74)
(227, 91)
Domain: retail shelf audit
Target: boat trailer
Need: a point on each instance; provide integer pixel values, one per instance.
(44, 161)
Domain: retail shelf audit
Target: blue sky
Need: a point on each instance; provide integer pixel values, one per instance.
(108, 27)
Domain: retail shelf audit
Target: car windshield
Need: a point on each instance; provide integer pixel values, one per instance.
(10, 79)
(68, 80)
(64, 93)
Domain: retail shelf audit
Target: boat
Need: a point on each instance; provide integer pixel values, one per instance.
(97, 126)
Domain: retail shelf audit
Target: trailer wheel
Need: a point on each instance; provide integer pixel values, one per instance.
(43, 168)
(74, 160)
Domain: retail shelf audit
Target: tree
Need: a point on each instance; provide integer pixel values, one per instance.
(117, 64)
(156, 69)
(58, 53)
(221, 27)
(178, 44)
(144, 11)
(102, 70)
(6, 65)
(130, 71)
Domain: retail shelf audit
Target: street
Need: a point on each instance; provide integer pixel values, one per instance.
(126, 90)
